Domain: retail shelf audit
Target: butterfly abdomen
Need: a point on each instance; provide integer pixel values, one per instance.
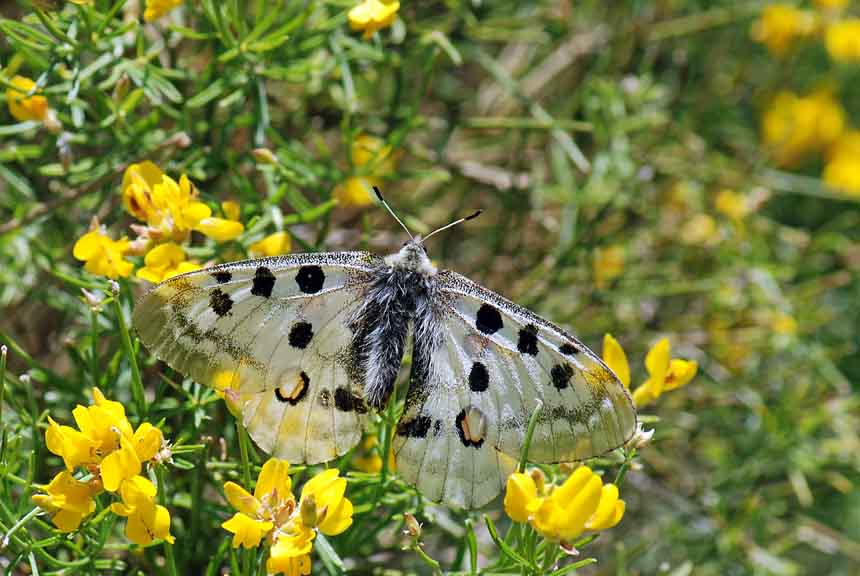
(381, 327)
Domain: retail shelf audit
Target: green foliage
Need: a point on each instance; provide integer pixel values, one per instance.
(583, 129)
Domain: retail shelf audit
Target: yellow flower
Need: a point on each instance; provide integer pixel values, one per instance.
(147, 521)
(138, 182)
(165, 261)
(842, 40)
(101, 427)
(562, 515)
(125, 463)
(372, 15)
(520, 496)
(795, 126)
(616, 359)
(272, 502)
(331, 511)
(24, 107)
(120, 465)
(731, 204)
(780, 25)
(665, 373)
(103, 256)
(608, 265)
(272, 245)
(373, 160)
(247, 532)
(581, 503)
(68, 500)
(155, 9)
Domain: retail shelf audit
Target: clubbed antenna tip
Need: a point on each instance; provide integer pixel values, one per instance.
(390, 211)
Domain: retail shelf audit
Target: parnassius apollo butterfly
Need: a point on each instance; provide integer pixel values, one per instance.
(306, 345)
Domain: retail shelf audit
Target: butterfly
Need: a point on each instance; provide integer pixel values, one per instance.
(306, 346)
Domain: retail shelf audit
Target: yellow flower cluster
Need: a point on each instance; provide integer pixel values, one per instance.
(664, 372)
(169, 211)
(372, 15)
(561, 513)
(794, 127)
(372, 161)
(112, 454)
(290, 526)
(781, 26)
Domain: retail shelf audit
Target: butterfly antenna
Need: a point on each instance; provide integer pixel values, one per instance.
(454, 223)
(390, 211)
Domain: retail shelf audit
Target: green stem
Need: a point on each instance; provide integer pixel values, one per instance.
(434, 565)
(243, 450)
(162, 498)
(3, 352)
(26, 518)
(94, 356)
(136, 382)
(528, 440)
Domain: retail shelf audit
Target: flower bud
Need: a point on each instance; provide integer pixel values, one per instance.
(413, 526)
(264, 156)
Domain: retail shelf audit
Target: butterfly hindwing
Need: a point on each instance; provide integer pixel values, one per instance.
(487, 366)
(273, 335)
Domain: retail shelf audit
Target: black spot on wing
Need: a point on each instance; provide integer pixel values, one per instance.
(488, 320)
(479, 378)
(561, 375)
(300, 335)
(527, 343)
(264, 282)
(346, 401)
(568, 349)
(415, 428)
(220, 302)
(222, 277)
(310, 279)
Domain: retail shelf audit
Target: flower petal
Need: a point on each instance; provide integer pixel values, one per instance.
(616, 359)
(520, 493)
(240, 499)
(274, 477)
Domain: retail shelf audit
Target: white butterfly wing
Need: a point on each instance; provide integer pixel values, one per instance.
(274, 335)
(490, 364)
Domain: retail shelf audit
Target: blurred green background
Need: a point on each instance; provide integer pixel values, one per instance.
(672, 168)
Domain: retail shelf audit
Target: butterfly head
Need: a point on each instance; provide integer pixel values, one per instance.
(412, 257)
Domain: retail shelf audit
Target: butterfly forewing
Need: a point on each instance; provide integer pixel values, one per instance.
(274, 335)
